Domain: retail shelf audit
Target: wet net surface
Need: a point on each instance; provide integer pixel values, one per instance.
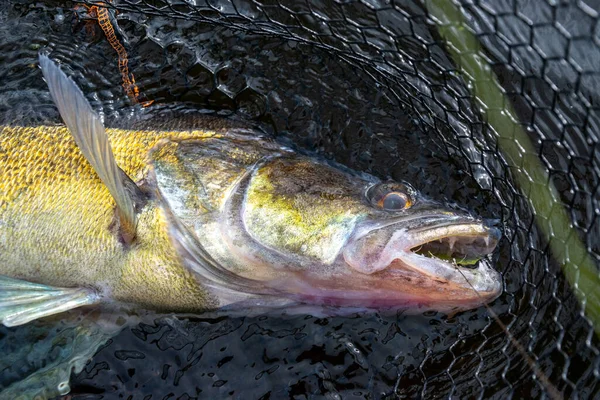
(371, 85)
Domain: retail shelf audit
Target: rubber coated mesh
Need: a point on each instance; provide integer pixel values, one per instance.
(372, 84)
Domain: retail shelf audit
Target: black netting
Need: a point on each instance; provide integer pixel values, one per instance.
(371, 84)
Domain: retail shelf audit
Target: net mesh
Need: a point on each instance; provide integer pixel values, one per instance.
(371, 84)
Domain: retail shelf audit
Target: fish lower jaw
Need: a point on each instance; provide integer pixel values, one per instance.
(383, 300)
(481, 280)
(397, 287)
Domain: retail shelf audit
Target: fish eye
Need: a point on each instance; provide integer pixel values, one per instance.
(391, 196)
(394, 201)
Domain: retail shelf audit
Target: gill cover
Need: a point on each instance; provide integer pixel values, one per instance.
(190, 176)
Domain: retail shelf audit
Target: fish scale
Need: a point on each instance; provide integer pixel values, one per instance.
(58, 212)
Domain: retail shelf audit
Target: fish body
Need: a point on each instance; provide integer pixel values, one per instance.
(192, 219)
(56, 217)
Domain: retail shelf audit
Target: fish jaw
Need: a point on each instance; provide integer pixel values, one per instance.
(394, 289)
(455, 244)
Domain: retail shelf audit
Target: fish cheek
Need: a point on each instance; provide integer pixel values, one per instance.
(289, 210)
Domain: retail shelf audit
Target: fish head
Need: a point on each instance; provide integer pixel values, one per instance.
(293, 227)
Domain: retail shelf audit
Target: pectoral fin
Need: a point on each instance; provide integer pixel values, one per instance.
(22, 301)
(88, 132)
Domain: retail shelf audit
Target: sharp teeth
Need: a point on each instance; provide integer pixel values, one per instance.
(451, 242)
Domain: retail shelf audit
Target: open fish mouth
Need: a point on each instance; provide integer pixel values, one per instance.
(428, 259)
(454, 245)
(464, 251)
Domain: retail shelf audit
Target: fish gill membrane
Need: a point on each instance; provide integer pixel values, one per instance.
(222, 219)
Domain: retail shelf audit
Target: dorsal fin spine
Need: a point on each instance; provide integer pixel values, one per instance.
(91, 138)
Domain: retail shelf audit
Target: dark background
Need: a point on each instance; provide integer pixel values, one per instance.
(369, 84)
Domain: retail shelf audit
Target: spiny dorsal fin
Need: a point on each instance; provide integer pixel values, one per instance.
(89, 134)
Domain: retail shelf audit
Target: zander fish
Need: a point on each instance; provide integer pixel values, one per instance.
(190, 220)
